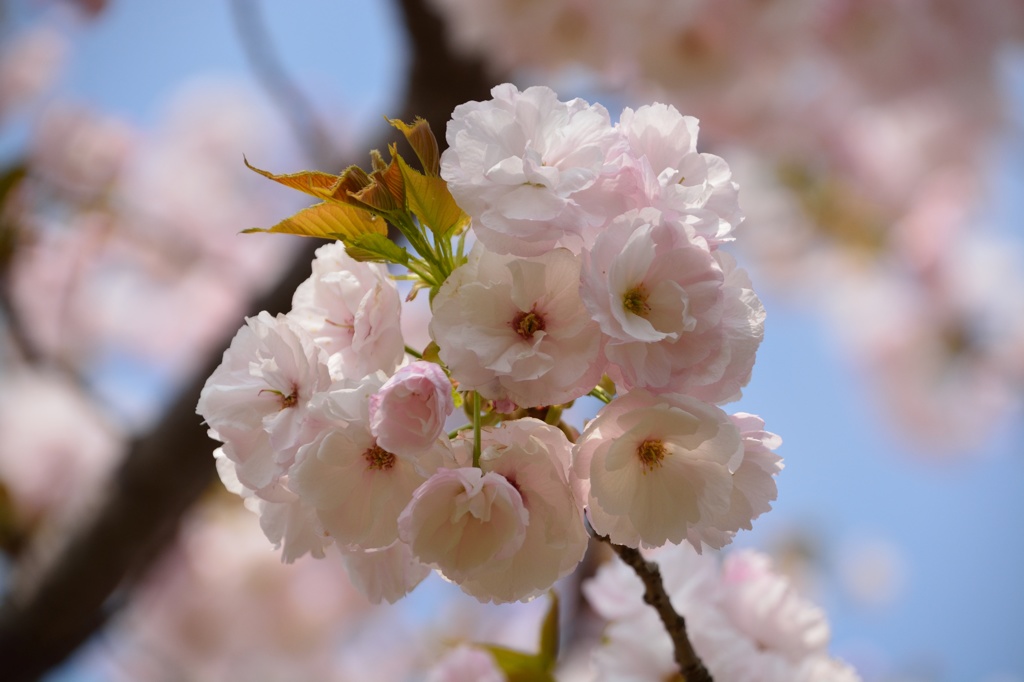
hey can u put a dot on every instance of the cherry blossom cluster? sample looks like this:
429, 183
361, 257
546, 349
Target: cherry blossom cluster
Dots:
593, 268
747, 622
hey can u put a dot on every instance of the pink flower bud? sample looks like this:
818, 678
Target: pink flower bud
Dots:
408, 413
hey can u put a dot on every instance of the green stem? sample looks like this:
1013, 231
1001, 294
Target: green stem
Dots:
600, 394
415, 353
456, 432
421, 270
476, 429
406, 225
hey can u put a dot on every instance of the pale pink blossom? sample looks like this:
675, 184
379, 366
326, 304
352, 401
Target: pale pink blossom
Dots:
56, 447
535, 458
220, 605
685, 181
408, 413
678, 317
516, 329
765, 606
517, 162
386, 574
745, 621
293, 527
357, 487
460, 520
352, 310
28, 65
466, 664
260, 395
286, 520
657, 468
753, 488
80, 151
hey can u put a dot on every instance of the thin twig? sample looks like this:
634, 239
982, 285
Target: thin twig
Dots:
690, 665
297, 109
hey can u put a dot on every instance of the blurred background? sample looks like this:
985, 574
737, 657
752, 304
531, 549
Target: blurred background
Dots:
879, 148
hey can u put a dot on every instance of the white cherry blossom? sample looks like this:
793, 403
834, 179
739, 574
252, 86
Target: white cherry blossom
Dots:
656, 468
534, 457
386, 574
516, 328
461, 519
258, 398
517, 163
352, 310
678, 316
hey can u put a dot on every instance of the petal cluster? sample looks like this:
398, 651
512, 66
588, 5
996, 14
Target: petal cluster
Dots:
593, 268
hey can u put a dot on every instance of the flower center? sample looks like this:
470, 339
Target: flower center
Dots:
378, 459
528, 324
651, 453
635, 301
290, 400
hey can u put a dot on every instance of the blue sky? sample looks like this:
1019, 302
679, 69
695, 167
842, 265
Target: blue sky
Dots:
960, 612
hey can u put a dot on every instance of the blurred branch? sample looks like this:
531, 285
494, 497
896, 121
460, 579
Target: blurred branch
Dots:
690, 665
18, 339
438, 78
266, 65
162, 475
166, 470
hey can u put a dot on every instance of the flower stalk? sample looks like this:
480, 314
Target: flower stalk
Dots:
691, 667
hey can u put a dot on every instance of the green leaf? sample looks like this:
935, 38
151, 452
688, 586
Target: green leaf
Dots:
517, 666
523, 667
421, 139
549, 633
377, 248
314, 183
329, 220
429, 199
386, 192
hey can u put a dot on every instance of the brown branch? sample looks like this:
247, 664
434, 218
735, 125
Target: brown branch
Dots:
690, 665
438, 78
162, 475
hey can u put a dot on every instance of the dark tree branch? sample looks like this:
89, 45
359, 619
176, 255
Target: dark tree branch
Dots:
163, 474
690, 665
438, 78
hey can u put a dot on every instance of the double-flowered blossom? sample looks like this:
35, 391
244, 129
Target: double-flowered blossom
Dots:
535, 459
358, 487
516, 329
463, 519
521, 164
675, 177
352, 310
257, 400
678, 316
663, 468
